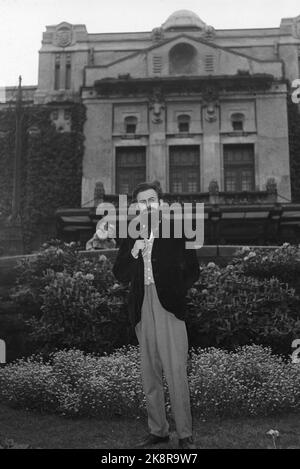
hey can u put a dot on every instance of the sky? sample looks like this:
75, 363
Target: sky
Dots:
22, 23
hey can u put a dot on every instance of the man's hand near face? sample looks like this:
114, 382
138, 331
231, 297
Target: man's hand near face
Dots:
139, 245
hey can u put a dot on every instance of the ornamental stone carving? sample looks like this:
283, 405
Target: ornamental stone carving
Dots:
213, 187
209, 33
296, 27
63, 35
157, 106
61, 118
271, 185
210, 100
157, 35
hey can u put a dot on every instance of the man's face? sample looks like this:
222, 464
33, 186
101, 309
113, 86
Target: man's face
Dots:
148, 200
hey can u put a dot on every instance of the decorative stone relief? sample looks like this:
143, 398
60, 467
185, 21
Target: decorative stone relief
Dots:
213, 187
61, 119
208, 33
210, 104
157, 106
99, 193
91, 59
296, 27
63, 35
276, 49
157, 35
271, 185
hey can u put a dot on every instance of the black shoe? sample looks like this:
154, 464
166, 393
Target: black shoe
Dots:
152, 440
186, 443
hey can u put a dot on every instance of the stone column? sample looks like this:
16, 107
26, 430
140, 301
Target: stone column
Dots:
211, 151
156, 169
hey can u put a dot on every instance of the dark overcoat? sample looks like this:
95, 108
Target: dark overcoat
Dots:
175, 269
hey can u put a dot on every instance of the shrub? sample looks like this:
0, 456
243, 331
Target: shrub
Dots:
75, 314
227, 308
70, 301
30, 283
282, 263
250, 381
58, 256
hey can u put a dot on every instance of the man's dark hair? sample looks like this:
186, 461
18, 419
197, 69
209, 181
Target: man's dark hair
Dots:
144, 186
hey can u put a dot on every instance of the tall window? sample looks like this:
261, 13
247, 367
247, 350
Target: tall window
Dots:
239, 167
130, 124
183, 122
184, 168
130, 168
68, 72
237, 121
57, 72
62, 71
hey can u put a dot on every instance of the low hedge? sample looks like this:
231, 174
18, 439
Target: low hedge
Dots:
250, 381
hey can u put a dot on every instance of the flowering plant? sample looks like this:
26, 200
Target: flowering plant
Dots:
250, 381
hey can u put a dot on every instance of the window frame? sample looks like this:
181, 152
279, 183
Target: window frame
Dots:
237, 118
130, 121
68, 74
237, 167
57, 72
183, 119
131, 170
184, 169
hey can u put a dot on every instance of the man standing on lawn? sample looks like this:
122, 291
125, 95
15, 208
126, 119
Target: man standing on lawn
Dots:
160, 271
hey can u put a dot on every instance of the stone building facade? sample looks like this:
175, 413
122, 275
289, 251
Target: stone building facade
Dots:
184, 103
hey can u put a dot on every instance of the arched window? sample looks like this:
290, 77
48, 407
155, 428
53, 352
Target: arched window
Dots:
130, 124
237, 121
183, 60
183, 122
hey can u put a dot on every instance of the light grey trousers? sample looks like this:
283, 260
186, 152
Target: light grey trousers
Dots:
164, 348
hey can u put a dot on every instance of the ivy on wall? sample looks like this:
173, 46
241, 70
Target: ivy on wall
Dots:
51, 166
294, 144
7, 142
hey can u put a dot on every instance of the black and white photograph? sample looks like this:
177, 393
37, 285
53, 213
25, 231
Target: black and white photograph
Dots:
149, 228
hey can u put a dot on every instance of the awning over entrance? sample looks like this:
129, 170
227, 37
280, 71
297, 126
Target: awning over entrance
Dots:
256, 224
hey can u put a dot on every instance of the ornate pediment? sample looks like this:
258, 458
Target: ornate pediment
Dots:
187, 55
63, 35
182, 57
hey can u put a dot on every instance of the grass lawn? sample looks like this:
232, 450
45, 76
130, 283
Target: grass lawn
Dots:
52, 431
